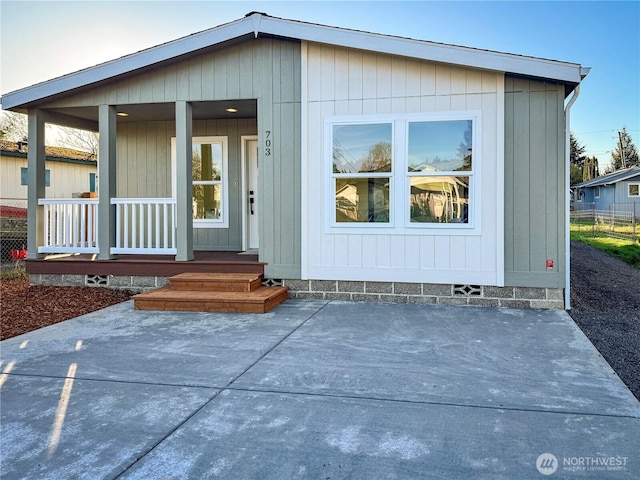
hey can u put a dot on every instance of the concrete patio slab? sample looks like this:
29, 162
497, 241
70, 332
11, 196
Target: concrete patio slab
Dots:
175, 348
315, 389
496, 357
255, 435
56, 428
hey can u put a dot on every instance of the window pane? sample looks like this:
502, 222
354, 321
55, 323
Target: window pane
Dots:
439, 199
634, 190
364, 200
206, 201
207, 161
440, 146
362, 148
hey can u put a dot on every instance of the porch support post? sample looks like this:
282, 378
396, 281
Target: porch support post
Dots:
106, 181
184, 185
35, 182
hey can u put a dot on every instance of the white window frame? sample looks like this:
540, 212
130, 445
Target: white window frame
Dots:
399, 187
596, 191
223, 221
369, 226
637, 184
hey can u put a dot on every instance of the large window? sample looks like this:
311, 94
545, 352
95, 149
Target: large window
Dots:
404, 172
209, 177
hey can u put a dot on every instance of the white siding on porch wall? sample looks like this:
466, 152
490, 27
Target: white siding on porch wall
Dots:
342, 81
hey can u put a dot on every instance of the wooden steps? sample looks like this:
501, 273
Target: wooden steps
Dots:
213, 292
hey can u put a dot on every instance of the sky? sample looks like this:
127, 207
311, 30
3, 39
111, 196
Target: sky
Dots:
43, 40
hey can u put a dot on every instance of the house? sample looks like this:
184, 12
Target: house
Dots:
618, 191
356, 165
68, 173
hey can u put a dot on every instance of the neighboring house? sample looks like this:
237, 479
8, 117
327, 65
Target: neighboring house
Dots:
357, 165
618, 191
68, 173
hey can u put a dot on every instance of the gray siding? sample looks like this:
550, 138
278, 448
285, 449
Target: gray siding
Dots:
534, 183
144, 170
265, 69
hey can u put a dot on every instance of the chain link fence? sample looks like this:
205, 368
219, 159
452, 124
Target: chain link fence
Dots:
13, 232
619, 220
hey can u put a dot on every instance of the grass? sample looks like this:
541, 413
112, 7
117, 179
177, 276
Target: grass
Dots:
625, 250
14, 272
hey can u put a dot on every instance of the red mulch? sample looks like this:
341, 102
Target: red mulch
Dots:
24, 308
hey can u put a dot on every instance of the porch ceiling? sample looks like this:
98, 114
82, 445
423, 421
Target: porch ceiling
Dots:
143, 112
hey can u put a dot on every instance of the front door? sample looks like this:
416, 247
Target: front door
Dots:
252, 239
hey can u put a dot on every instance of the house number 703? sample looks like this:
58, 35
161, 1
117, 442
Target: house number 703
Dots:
267, 143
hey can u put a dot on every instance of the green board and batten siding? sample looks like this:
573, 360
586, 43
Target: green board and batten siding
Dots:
264, 69
534, 183
144, 170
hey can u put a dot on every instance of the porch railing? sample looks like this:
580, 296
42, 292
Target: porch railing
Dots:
70, 225
145, 225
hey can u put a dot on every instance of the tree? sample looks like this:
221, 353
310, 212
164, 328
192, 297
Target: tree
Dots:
13, 127
590, 169
82, 140
625, 154
576, 151
575, 174
378, 158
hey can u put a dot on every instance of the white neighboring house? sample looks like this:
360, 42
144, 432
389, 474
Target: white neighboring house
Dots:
69, 172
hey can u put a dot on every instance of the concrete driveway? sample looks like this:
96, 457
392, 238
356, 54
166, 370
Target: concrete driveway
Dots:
314, 389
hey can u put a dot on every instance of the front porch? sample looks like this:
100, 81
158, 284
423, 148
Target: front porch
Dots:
136, 272
145, 265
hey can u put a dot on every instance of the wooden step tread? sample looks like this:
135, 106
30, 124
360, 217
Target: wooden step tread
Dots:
215, 277
218, 282
167, 293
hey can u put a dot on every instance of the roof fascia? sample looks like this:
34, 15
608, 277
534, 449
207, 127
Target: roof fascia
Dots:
425, 50
610, 179
129, 63
49, 158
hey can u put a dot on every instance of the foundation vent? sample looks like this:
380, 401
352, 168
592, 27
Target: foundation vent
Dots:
467, 290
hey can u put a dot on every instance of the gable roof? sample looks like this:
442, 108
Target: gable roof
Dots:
260, 24
611, 178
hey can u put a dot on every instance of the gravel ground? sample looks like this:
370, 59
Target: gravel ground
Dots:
605, 298
605, 303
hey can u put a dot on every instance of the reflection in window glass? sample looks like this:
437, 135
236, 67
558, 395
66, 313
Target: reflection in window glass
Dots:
206, 202
362, 200
444, 146
363, 148
207, 161
207, 181
439, 199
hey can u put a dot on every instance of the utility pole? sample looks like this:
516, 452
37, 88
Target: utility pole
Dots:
624, 164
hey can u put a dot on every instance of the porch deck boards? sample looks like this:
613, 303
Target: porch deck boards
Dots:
147, 265
194, 292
